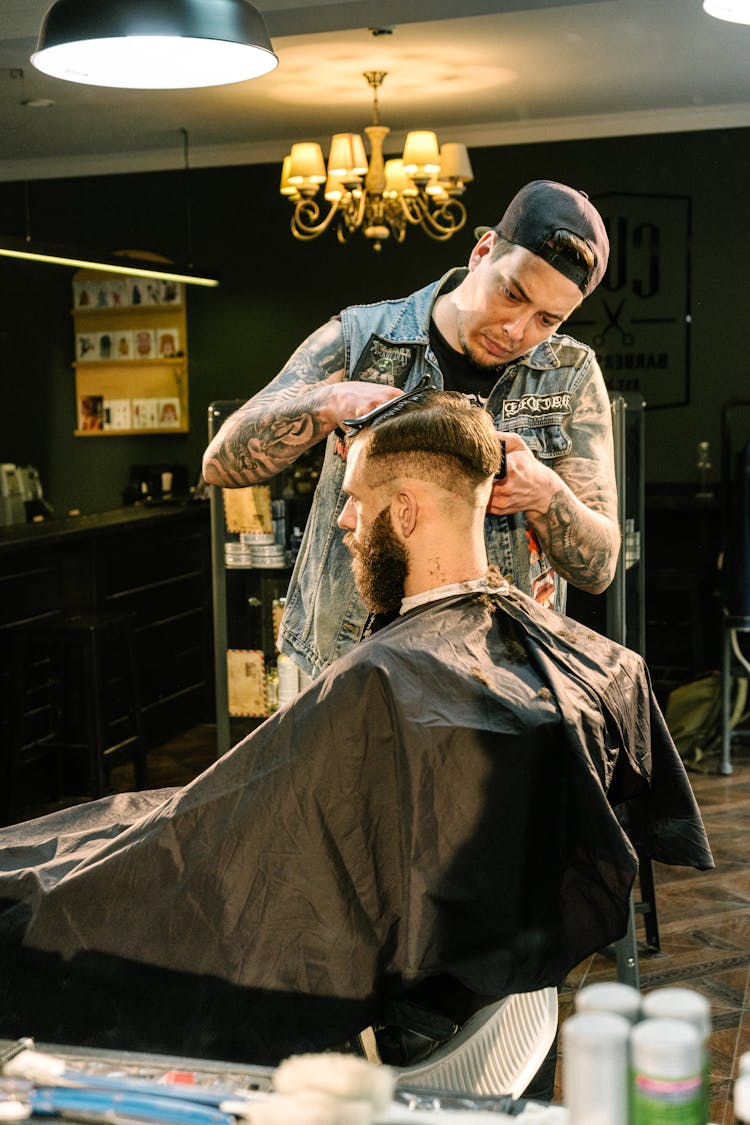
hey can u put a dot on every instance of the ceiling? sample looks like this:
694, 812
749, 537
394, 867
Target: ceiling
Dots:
501, 72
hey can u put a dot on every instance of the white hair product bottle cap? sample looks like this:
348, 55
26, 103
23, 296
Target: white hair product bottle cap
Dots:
679, 1004
742, 1098
743, 1067
595, 1068
667, 1068
610, 996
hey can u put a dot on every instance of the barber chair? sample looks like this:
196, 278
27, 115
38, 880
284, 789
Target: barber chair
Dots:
497, 1051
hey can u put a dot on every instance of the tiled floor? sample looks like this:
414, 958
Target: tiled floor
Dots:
704, 917
704, 924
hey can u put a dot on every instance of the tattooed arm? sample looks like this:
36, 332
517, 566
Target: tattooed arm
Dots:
573, 507
301, 406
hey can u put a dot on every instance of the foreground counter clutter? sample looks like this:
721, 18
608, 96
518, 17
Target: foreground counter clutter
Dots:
328, 1089
317, 1089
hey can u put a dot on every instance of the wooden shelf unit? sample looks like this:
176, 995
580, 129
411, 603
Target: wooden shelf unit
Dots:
155, 385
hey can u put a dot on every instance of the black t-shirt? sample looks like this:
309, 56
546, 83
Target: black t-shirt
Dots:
459, 373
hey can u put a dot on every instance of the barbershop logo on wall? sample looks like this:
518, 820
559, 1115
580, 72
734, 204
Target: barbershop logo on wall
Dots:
638, 320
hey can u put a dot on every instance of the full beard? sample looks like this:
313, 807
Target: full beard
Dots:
380, 563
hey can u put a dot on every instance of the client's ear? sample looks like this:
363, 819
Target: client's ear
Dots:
404, 509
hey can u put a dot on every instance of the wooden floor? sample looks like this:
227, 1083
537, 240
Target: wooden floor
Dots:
704, 924
704, 917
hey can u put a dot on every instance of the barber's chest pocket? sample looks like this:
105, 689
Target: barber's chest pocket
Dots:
538, 418
545, 437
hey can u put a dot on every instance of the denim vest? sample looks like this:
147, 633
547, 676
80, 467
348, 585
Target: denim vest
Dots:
388, 342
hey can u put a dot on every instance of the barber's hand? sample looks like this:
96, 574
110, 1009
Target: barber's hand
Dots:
528, 484
352, 399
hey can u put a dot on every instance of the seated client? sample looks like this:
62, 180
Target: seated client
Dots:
458, 801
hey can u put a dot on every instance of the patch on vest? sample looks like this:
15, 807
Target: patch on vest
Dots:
537, 405
385, 362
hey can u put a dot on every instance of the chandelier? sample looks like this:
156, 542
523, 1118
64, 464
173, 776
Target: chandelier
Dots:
382, 198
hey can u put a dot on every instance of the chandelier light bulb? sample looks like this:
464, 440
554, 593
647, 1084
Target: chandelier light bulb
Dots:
347, 156
455, 163
334, 190
421, 154
396, 179
285, 187
306, 164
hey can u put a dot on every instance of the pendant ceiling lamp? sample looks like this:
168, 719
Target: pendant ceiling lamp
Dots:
154, 45
736, 11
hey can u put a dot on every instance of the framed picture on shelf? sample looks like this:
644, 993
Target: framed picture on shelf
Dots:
135, 290
91, 413
167, 342
122, 345
104, 349
119, 293
84, 295
145, 413
87, 346
168, 412
171, 293
144, 340
117, 414
152, 291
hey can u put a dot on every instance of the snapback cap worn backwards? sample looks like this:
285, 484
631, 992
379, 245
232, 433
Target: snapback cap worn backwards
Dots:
543, 207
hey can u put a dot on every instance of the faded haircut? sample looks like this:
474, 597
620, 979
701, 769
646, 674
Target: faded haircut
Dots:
440, 436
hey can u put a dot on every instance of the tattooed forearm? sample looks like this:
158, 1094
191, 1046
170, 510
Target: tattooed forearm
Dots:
259, 443
270, 431
579, 531
582, 545
592, 482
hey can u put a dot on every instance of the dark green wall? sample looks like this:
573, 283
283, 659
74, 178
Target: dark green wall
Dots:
275, 290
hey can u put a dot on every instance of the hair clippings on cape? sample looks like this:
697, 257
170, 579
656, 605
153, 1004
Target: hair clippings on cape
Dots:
386, 409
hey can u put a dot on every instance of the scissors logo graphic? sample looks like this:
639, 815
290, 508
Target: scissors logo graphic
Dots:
613, 321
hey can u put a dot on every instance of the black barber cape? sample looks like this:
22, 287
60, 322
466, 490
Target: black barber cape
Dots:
446, 799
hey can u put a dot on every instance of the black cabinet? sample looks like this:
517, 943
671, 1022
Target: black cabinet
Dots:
151, 564
683, 540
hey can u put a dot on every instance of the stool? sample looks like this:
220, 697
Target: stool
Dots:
75, 701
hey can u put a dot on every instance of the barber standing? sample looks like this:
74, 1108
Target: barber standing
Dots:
490, 330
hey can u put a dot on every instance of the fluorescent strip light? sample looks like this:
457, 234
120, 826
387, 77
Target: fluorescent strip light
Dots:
130, 267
